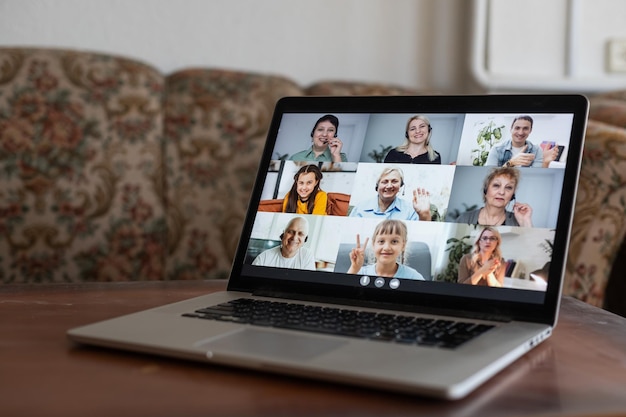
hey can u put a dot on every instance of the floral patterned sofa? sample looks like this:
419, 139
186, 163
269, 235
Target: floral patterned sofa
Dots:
111, 170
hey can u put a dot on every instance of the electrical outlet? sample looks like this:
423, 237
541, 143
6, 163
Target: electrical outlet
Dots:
616, 55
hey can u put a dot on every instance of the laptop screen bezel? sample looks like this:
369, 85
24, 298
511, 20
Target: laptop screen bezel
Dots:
545, 312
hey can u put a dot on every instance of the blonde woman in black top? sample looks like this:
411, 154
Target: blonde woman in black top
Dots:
417, 148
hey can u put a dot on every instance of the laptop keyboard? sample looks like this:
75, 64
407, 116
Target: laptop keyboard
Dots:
337, 321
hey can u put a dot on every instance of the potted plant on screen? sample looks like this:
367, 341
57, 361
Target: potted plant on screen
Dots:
488, 135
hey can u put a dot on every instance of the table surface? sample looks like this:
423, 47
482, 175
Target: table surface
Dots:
580, 370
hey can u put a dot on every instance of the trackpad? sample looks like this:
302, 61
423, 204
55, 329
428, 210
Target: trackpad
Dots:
270, 344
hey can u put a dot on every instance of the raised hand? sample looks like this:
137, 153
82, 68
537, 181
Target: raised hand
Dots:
523, 214
335, 145
421, 203
357, 255
550, 155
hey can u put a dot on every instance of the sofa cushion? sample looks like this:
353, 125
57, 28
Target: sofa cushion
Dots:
80, 158
215, 127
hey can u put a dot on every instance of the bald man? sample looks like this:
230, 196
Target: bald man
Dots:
290, 253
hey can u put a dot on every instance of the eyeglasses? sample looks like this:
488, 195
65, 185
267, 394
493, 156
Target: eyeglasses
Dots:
489, 239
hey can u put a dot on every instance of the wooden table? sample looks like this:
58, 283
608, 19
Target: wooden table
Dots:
580, 370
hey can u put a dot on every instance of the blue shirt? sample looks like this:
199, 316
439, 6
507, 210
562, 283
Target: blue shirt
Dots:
403, 272
503, 152
399, 209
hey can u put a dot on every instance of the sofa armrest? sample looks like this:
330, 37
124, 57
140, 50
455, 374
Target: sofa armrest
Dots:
599, 222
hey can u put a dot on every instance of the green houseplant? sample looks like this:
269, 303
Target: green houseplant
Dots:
456, 249
379, 156
488, 135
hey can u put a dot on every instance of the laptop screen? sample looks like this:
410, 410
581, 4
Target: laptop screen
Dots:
427, 200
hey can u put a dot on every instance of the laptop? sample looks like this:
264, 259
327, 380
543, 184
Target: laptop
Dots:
424, 270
